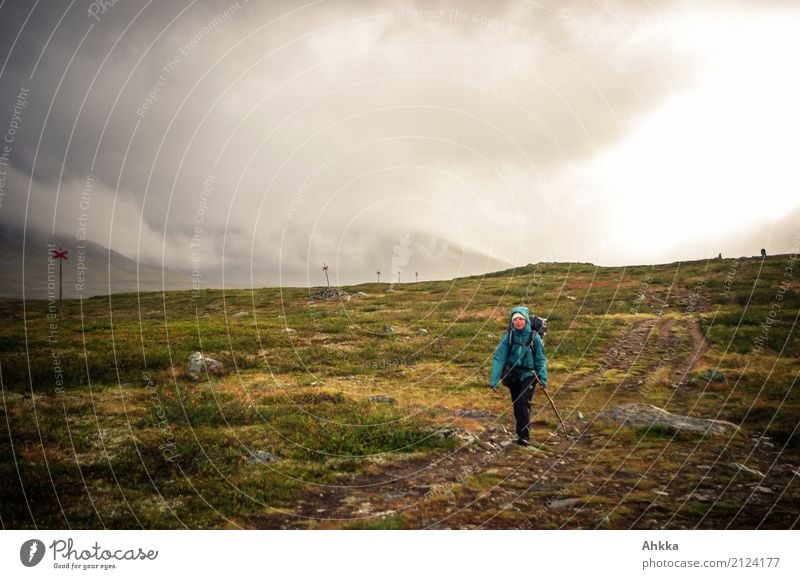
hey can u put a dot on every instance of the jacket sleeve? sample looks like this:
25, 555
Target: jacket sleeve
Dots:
499, 361
540, 361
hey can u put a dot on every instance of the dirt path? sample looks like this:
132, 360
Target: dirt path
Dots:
493, 483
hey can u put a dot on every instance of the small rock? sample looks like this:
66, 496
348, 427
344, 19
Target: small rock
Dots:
262, 457
742, 469
700, 497
580, 415
422, 332
473, 413
288, 330
459, 433
563, 503
387, 329
360, 295
764, 490
383, 399
199, 363
241, 314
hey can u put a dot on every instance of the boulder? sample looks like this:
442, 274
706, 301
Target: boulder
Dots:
647, 415
199, 364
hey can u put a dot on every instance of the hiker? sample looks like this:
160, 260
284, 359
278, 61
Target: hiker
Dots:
520, 365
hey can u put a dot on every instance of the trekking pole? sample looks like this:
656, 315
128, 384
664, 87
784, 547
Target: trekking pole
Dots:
563, 426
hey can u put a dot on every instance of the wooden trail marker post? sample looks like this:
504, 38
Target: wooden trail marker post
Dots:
60, 254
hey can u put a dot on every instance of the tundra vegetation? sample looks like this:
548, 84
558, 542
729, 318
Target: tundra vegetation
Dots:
325, 420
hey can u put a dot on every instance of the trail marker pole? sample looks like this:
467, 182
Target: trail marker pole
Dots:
563, 426
60, 254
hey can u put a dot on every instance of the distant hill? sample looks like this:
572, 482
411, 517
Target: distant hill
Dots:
103, 271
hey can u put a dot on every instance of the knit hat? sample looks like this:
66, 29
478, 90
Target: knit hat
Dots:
517, 315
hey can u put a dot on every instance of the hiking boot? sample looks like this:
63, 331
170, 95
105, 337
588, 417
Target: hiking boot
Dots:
522, 442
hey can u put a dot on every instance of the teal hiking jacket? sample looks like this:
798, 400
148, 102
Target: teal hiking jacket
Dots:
528, 360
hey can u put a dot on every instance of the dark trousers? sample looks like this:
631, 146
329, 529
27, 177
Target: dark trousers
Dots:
521, 396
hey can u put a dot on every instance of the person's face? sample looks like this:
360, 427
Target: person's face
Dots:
519, 323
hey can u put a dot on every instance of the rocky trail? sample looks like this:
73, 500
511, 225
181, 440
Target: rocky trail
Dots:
598, 477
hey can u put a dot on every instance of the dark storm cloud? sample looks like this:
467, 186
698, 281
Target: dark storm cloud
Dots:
287, 133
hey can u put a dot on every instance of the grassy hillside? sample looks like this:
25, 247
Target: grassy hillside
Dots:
327, 420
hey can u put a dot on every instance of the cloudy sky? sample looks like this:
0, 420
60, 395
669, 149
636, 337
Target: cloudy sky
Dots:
453, 137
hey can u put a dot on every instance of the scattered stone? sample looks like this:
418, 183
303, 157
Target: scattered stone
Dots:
288, 330
330, 293
700, 497
199, 364
762, 441
742, 469
563, 503
646, 415
360, 295
455, 433
262, 457
387, 329
241, 314
383, 399
473, 413
422, 332
764, 490
544, 487
580, 415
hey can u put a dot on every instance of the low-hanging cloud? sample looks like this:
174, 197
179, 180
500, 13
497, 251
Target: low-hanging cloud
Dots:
271, 138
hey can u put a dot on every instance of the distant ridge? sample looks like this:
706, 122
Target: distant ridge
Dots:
93, 278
